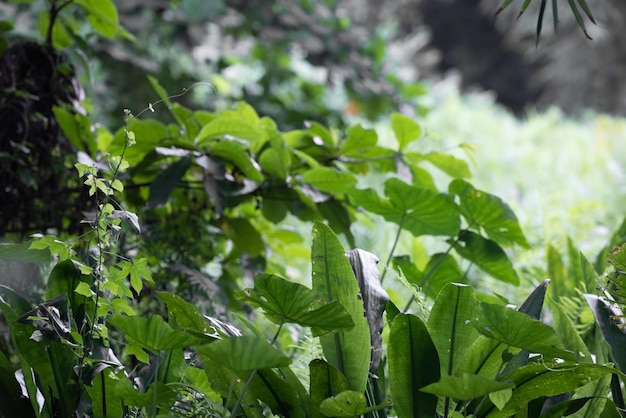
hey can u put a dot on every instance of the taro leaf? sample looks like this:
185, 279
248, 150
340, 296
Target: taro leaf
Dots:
329, 180
152, 333
365, 267
284, 301
534, 381
418, 210
163, 184
326, 381
519, 330
605, 315
236, 153
345, 404
244, 353
405, 129
465, 387
488, 212
333, 278
413, 364
448, 324
487, 255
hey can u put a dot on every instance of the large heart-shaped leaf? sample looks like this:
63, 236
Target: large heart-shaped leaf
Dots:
152, 333
489, 212
285, 301
465, 387
418, 210
244, 353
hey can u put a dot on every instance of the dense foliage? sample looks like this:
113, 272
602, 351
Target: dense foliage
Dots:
185, 288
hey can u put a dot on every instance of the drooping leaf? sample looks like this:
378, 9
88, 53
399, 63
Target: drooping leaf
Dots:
244, 353
161, 187
605, 314
405, 129
186, 316
487, 255
284, 301
417, 210
465, 387
448, 324
579, 18
489, 213
413, 364
519, 330
333, 278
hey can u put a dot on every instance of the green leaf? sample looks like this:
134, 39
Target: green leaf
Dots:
276, 159
489, 212
418, 210
345, 404
152, 333
612, 331
448, 324
487, 255
242, 123
465, 387
519, 330
566, 329
149, 134
284, 301
326, 179
244, 353
104, 400
102, 15
413, 364
333, 278
22, 253
281, 391
405, 129
359, 142
162, 186
447, 163
536, 380
236, 153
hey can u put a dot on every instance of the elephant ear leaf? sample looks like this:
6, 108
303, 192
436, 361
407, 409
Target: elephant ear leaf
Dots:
364, 265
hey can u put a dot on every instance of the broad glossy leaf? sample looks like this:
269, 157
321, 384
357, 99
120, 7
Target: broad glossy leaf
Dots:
152, 333
165, 182
326, 179
345, 404
284, 301
244, 353
488, 212
487, 255
405, 129
418, 210
440, 270
465, 387
605, 314
413, 364
236, 153
22, 253
448, 324
333, 278
519, 330
326, 381
536, 380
